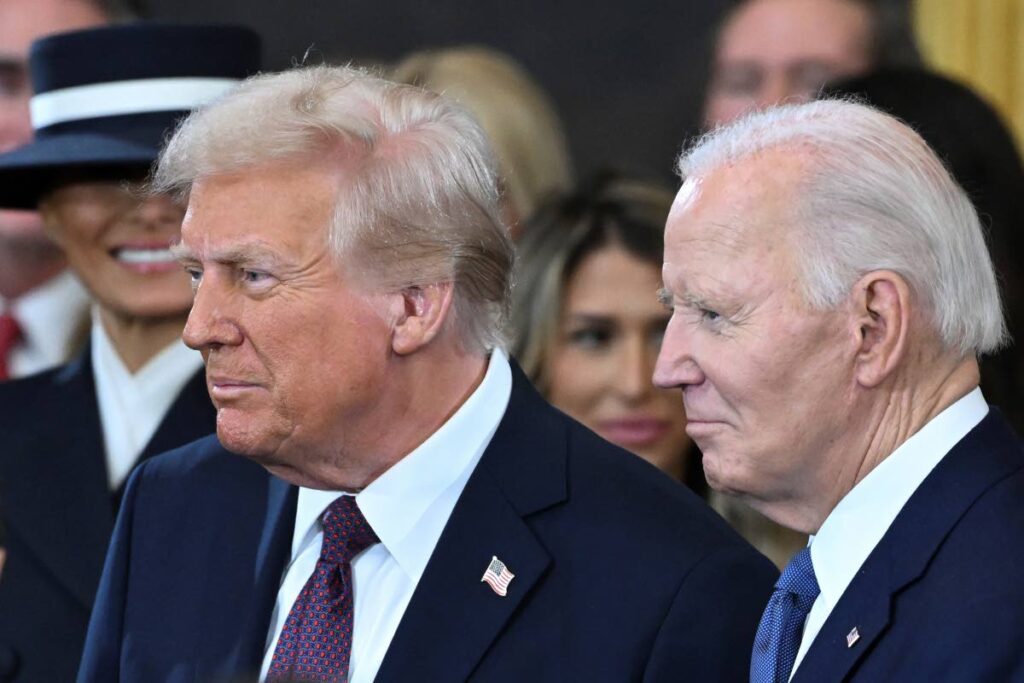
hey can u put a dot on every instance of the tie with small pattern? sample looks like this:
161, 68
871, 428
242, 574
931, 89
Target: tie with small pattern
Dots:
316, 640
10, 335
782, 625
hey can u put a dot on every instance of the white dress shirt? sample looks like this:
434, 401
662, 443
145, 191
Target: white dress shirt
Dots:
407, 507
133, 405
858, 522
49, 316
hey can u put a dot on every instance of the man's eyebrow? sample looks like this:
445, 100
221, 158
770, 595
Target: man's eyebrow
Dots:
182, 253
238, 255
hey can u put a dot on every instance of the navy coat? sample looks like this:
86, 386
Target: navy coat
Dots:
59, 511
941, 598
621, 574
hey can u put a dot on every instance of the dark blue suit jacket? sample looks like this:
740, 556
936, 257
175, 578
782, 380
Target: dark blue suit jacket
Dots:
620, 573
59, 511
941, 598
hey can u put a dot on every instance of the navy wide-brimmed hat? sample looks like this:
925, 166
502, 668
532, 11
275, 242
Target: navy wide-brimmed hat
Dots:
106, 99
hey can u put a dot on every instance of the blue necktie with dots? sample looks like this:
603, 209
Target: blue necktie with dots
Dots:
782, 625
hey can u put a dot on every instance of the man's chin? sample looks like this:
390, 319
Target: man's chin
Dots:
245, 443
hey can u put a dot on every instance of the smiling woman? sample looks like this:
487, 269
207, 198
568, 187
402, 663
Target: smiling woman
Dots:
106, 98
588, 323
118, 243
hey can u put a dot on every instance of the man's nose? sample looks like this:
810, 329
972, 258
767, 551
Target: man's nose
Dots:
211, 323
775, 89
676, 365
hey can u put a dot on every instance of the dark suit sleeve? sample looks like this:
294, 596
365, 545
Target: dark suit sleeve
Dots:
708, 632
102, 656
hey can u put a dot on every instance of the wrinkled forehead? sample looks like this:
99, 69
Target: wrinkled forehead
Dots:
279, 203
745, 206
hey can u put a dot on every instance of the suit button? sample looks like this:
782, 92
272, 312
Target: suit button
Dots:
9, 663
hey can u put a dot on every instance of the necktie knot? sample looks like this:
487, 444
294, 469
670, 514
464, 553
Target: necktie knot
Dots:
798, 577
346, 531
781, 629
316, 640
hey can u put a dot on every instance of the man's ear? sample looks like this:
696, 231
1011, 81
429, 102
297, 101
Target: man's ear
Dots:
882, 315
424, 311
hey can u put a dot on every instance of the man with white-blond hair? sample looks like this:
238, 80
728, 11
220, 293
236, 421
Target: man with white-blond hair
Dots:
831, 291
387, 498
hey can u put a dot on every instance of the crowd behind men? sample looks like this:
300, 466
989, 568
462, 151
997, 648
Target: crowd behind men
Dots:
386, 496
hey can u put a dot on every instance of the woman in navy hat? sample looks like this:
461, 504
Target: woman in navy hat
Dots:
105, 101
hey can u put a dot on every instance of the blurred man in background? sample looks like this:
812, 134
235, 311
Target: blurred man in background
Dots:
41, 305
771, 51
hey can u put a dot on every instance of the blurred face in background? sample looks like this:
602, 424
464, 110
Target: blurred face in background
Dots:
781, 51
610, 330
22, 22
118, 242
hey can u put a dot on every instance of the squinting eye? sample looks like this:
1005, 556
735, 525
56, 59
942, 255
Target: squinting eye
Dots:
194, 276
709, 315
254, 276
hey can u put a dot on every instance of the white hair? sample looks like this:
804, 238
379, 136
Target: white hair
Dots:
422, 206
874, 196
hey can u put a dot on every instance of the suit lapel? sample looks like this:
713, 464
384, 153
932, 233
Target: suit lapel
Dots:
253, 539
63, 509
453, 616
986, 455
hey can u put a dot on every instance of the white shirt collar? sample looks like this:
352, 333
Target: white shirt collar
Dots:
858, 522
409, 505
49, 316
132, 405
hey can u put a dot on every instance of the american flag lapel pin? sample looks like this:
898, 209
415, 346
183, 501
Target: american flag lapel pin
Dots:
852, 637
497, 576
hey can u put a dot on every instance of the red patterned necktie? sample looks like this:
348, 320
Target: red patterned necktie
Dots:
10, 335
316, 640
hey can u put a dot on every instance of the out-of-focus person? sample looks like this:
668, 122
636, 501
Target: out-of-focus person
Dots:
980, 152
587, 321
387, 497
105, 100
831, 291
43, 308
519, 118
767, 52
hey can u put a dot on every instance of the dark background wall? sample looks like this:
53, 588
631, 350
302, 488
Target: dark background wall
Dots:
626, 75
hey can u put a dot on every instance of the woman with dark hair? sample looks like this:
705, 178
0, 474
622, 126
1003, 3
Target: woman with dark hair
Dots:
588, 324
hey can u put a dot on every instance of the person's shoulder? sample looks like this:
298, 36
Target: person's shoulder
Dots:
972, 509
624, 496
29, 406
16, 392
201, 458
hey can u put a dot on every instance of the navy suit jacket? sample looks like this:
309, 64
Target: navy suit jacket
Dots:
621, 574
59, 511
941, 598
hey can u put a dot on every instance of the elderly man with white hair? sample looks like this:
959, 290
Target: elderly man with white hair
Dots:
403, 505
831, 291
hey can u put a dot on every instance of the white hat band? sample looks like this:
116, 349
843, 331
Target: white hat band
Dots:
125, 97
